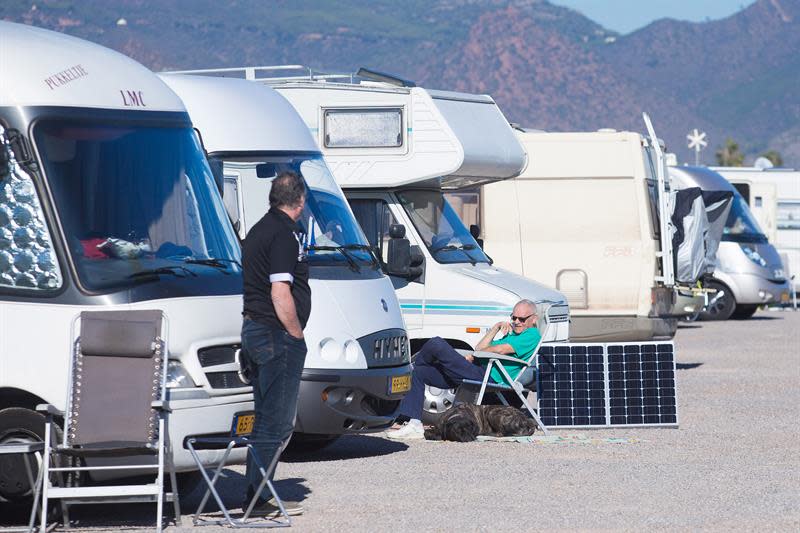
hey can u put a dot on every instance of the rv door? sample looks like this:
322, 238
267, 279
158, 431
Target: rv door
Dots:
764, 205
667, 276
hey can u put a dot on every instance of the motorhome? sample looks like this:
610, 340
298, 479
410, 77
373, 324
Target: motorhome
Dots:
106, 203
588, 215
357, 367
750, 272
773, 195
394, 148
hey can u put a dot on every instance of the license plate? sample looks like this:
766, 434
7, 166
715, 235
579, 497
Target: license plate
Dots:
243, 424
398, 384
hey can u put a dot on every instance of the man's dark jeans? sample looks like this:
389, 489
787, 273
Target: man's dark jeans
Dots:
277, 359
439, 365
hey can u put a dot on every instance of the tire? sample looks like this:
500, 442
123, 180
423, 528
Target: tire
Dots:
743, 312
309, 442
19, 425
723, 307
440, 401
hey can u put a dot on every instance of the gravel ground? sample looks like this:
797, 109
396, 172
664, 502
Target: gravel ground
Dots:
734, 464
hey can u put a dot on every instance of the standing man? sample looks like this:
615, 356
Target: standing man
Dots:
277, 303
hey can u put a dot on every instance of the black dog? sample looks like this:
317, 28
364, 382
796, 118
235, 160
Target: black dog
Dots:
464, 422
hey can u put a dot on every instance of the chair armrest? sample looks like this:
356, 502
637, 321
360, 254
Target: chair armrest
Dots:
501, 357
161, 405
49, 409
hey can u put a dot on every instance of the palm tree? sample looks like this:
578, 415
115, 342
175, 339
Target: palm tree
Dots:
774, 156
730, 155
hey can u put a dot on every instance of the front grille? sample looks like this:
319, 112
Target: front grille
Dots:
386, 348
225, 380
558, 313
217, 355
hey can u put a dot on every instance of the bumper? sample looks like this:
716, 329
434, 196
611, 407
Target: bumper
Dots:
334, 402
204, 416
621, 328
750, 289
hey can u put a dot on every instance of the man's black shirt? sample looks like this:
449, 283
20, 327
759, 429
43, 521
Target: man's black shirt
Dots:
273, 252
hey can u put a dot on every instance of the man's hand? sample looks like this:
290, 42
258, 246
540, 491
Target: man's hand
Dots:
285, 309
504, 328
469, 357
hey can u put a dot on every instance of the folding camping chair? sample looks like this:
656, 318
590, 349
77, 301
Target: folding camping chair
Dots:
115, 410
238, 438
516, 385
26, 450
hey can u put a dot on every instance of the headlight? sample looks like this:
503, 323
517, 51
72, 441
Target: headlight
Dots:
353, 351
330, 350
754, 256
178, 377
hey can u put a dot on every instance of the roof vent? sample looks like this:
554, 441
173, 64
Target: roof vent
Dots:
374, 75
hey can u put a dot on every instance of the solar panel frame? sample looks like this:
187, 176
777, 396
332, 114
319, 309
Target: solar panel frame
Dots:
625, 392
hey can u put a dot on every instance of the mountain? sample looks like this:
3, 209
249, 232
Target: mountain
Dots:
548, 67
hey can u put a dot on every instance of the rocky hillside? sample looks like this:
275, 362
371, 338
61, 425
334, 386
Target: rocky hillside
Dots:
549, 67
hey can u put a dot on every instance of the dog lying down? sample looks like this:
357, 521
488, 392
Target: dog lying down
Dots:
465, 421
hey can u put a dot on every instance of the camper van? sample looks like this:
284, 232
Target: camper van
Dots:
750, 272
773, 195
106, 203
394, 148
588, 215
357, 367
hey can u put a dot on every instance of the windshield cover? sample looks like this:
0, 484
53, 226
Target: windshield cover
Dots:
136, 204
446, 237
741, 225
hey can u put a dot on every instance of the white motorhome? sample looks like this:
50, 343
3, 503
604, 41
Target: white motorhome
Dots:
586, 216
773, 195
357, 367
750, 272
106, 203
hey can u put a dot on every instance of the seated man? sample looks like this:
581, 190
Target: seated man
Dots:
439, 365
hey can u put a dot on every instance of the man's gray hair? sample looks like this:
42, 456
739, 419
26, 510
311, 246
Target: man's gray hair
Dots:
528, 303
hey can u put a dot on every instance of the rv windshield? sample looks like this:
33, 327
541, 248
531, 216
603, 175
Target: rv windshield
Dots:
439, 226
333, 238
136, 204
741, 225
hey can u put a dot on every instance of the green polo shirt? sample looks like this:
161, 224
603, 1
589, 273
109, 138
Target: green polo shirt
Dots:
524, 344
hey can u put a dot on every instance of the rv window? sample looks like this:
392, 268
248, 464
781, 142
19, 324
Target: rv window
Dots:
363, 128
789, 214
230, 197
27, 258
375, 218
744, 190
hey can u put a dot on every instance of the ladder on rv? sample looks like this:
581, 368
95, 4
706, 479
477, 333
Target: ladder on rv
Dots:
665, 255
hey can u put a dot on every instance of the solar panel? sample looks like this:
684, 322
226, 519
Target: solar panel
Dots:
613, 384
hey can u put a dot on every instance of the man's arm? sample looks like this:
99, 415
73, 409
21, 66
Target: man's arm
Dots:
485, 343
285, 310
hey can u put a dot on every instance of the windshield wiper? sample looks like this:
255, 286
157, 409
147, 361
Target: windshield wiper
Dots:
341, 249
177, 271
216, 262
461, 248
367, 248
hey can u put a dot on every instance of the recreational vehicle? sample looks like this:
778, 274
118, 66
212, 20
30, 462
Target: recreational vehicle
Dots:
588, 215
394, 148
357, 367
750, 272
106, 203
773, 193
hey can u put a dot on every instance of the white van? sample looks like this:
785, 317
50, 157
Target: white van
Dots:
773, 195
106, 203
584, 216
357, 367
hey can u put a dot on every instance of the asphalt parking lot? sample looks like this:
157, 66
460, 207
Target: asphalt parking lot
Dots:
734, 463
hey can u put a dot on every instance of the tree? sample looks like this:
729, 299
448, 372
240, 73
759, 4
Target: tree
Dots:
730, 155
774, 156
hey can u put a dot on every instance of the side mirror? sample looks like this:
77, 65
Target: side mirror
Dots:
400, 254
219, 176
475, 231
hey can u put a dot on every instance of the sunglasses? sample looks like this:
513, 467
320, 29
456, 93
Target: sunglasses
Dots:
521, 318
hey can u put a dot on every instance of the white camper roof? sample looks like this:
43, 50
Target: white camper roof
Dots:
45, 68
239, 116
595, 154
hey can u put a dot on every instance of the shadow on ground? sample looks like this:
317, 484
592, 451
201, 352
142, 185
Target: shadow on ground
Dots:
347, 447
687, 366
689, 326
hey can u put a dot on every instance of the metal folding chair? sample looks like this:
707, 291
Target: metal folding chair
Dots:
211, 475
26, 450
115, 410
515, 385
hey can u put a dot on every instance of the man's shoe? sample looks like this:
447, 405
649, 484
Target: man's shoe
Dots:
270, 509
411, 430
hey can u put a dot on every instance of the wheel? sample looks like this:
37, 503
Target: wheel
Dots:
18, 425
743, 312
721, 304
309, 442
438, 401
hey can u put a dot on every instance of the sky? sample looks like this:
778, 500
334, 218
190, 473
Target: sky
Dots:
625, 16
